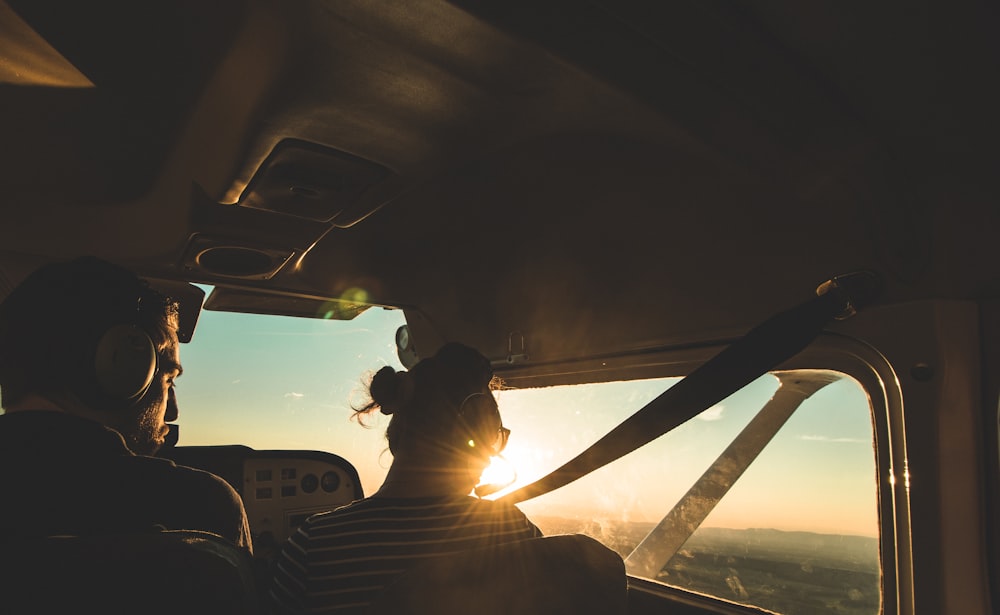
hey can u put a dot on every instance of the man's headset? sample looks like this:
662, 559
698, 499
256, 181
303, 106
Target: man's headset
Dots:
77, 326
116, 358
125, 363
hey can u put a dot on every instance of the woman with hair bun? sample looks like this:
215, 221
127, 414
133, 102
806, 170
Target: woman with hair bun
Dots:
444, 429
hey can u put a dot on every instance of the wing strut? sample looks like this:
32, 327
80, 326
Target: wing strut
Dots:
764, 347
656, 549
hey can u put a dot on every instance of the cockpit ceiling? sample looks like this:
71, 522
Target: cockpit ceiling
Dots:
593, 176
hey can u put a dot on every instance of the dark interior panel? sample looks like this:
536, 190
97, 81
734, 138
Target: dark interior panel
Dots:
280, 489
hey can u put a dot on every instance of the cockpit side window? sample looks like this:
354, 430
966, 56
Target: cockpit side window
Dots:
769, 498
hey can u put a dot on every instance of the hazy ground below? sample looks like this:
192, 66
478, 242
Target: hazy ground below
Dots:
798, 573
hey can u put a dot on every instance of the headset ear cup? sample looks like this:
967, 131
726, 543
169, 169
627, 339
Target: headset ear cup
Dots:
125, 362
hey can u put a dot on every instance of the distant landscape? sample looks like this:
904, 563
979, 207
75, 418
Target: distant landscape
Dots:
797, 573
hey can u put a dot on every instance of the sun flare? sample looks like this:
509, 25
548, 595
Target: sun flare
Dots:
517, 466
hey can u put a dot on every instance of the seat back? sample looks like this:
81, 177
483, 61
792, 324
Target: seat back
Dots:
554, 575
158, 573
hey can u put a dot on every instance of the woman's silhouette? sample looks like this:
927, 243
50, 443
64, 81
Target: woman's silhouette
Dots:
445, 427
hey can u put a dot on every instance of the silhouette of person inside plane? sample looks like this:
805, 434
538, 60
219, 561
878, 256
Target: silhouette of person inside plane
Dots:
88, 360
445, 427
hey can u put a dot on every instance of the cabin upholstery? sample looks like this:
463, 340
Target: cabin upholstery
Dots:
155, 573
554, 575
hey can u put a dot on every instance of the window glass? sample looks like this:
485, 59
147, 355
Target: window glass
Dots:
796, 533
271, 382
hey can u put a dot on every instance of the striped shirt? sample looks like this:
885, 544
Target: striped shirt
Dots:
338, 561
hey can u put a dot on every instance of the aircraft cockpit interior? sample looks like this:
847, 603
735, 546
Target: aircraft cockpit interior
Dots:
728, 273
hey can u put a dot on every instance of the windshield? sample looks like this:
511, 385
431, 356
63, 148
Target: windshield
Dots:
272, 382
802, 515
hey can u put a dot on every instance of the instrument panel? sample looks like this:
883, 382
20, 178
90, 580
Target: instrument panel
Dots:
280, 489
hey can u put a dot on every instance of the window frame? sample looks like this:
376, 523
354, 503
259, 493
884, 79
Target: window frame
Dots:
830, 351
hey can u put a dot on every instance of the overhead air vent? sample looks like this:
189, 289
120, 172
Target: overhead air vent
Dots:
319, 183
228, 259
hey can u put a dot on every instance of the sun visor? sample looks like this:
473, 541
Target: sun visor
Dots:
250, 301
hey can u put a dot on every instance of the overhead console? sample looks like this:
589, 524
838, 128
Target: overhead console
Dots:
280, 489
300, 191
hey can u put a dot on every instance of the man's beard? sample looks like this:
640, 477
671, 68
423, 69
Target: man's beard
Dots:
143, 433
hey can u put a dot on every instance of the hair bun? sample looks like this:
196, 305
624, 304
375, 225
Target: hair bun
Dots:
391, 390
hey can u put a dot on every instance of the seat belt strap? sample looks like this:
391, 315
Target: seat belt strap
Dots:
763, 348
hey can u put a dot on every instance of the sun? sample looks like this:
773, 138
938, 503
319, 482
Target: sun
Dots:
518, 466
500, 472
